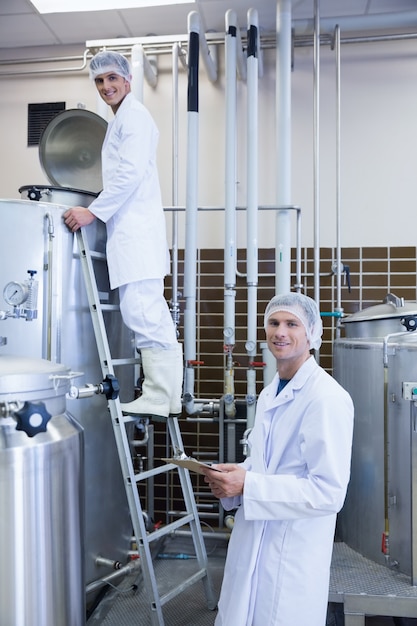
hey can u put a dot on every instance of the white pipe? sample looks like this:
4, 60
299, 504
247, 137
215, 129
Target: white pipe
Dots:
230, 255
252, 210
283, 146
136, 59
175, 309
260, 55
150, 66
142, 68
301, 27
190, 258
316, 147
230, 155
357, 23
208, 53
241, 59
339, 265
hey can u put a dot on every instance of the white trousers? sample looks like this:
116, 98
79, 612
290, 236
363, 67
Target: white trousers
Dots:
145, 311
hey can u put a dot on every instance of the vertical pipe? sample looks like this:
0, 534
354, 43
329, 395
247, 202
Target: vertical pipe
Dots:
174, 247
137, 63
413, 495
316, 148
252, 209
339, 265
283, 143
230, 209
191, 207
283, 156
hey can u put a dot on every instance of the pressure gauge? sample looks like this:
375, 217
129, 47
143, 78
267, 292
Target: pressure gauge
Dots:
15, 293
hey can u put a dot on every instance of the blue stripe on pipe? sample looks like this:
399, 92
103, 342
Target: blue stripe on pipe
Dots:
232, 31
193, 50
252, 41
331, 314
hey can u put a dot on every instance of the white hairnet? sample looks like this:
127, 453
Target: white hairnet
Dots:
107, 61
302, 307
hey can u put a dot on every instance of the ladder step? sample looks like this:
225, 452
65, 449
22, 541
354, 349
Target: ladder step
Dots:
109, 307
183, 586
169, 528
98, 256
162, 469
128, 361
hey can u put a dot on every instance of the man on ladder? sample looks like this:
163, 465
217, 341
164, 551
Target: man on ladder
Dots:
137, 252
137, 256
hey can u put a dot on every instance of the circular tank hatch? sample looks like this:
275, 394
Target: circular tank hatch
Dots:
70, 150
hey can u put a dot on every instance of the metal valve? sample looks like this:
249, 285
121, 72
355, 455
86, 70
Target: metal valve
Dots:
32, 418
110, 387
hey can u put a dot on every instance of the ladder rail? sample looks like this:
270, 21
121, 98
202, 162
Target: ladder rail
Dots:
120, 433
119, 421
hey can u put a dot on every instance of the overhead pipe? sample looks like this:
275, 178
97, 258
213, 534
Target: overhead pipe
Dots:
190, 255
356, 23
230, 255
252, 212
163, 44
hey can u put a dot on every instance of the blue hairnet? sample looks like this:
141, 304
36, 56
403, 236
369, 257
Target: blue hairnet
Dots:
108, 61
302, 307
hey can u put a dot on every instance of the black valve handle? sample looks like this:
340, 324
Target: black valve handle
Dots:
32, 418
34, 194
111, 387
410, 322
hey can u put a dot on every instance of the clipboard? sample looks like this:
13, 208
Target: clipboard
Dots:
191, 464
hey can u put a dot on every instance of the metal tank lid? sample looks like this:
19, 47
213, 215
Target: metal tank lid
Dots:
70, 150
392, 306
22, 374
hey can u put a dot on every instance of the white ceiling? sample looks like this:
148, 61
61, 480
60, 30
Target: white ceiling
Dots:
21, 26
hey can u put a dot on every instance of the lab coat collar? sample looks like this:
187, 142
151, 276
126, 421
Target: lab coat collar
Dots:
296, 382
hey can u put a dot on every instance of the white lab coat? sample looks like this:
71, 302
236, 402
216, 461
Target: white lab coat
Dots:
130, 203
278, 562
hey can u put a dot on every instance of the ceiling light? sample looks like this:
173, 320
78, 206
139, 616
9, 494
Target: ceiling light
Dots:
73, 6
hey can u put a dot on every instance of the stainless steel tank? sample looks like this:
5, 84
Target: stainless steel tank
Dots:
34, 240
41, 497
377, 363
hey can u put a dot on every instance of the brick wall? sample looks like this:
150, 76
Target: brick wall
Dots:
374, 272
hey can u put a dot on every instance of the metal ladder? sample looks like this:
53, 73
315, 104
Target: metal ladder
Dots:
144, 538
